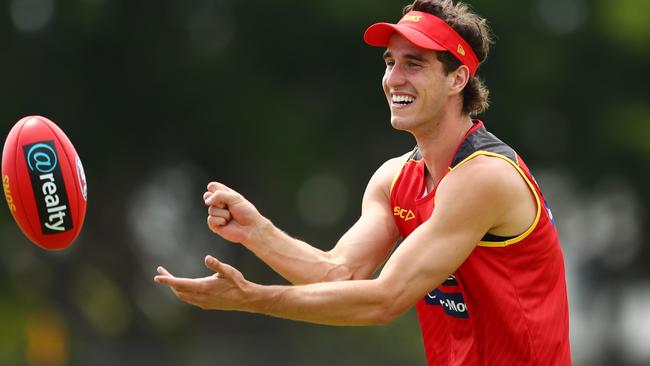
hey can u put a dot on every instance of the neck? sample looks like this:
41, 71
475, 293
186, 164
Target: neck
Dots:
438, 144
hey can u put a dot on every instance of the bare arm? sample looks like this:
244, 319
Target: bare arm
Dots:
464, 212
356, 255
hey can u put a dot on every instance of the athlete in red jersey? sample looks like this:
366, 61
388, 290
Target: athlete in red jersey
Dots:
483, 267
499, 303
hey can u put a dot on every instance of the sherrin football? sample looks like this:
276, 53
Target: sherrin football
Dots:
44, 182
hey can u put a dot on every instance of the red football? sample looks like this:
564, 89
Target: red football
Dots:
44, 182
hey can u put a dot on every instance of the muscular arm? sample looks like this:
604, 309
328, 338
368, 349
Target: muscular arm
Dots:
464, 212
356, 255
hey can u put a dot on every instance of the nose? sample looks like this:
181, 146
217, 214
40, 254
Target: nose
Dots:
394, 77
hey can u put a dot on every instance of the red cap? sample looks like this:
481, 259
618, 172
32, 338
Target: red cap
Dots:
427, 31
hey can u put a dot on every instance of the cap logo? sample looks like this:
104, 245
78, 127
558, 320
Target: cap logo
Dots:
412, 18
461, 50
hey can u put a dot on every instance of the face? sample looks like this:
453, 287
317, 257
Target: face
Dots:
415, 85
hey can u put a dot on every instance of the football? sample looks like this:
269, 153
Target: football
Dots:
44, 182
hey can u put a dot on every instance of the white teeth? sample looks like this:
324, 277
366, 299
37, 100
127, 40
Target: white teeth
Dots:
402, 99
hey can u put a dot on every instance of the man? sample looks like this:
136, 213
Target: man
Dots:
484, 267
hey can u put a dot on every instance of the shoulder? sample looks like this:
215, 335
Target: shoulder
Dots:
490, 171
393, 165
385, 174
382, 179
484, 182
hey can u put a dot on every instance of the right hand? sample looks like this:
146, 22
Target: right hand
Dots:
230, 215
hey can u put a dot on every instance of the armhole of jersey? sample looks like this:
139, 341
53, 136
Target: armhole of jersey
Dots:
399, 172
522, 236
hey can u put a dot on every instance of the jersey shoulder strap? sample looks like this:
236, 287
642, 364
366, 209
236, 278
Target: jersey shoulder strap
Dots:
482, 140
413, 156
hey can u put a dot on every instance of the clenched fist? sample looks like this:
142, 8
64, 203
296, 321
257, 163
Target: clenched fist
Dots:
230, 215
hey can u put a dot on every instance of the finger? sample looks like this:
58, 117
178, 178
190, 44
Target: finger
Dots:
214, 186
219, 212
163, 271
215, 222
207, 194
179, 284
222, 197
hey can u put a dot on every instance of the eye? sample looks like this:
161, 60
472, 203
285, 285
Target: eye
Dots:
389, 62
413, 65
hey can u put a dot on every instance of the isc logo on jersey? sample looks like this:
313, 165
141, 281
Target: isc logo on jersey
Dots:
48, 187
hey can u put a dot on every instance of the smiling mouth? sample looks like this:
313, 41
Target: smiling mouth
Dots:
402, 99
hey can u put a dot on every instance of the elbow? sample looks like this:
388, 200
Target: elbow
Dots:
384, 318
389, 306
340, 273
388, 314
338, 270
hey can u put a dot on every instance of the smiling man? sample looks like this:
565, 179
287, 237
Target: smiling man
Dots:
480, 260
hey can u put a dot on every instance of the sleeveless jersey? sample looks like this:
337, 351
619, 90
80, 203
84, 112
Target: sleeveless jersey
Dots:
507, 303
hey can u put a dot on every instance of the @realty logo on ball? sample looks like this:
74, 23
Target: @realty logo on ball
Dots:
48, 187
42, 157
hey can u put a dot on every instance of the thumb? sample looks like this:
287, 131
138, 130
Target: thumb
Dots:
218, 267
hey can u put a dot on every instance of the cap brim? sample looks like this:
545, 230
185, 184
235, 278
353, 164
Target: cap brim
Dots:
379, 35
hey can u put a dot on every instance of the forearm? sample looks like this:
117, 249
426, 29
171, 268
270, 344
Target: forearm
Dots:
293, 259
360, 302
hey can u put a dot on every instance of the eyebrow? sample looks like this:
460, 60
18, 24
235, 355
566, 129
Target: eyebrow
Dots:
408, 56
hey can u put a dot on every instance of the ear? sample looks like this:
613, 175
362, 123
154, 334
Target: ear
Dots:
458, 79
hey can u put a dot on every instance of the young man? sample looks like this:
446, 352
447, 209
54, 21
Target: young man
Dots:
484, 266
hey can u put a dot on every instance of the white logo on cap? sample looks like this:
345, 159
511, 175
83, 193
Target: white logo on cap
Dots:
412, 18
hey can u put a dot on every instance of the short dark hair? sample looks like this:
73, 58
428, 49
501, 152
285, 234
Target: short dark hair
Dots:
476, 32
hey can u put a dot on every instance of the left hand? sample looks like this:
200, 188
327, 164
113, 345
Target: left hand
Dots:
224, 290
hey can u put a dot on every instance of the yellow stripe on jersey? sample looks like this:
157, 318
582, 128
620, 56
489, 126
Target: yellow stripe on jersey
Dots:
406, 158
505, 243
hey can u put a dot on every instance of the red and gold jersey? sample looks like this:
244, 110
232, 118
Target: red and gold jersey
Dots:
507, 303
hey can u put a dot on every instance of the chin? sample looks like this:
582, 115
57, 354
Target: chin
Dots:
400, 124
